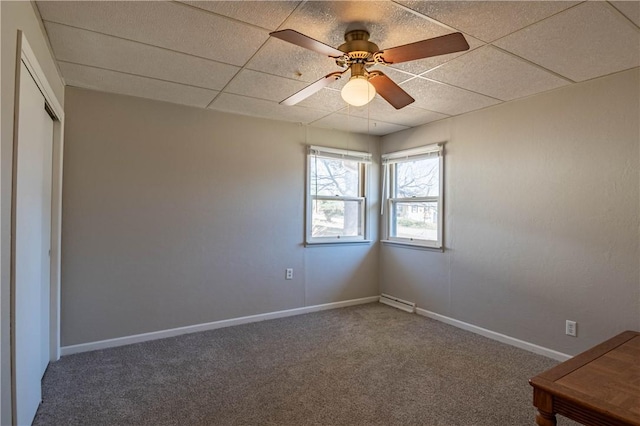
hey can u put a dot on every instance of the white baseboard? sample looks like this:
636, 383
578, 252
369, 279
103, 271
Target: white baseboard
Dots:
138, 338
495, 336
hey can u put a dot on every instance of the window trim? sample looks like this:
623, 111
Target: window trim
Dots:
388, 198
364, 160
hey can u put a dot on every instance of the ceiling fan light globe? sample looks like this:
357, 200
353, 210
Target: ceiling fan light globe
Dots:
358, 91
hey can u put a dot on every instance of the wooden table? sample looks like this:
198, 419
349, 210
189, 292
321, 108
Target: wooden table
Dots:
598, 387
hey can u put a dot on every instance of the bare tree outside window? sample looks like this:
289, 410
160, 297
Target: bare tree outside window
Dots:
418, 178
334, 177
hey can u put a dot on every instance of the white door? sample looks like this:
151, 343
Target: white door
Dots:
32, 244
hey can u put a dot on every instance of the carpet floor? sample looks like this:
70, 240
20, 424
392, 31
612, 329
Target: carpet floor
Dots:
362, 365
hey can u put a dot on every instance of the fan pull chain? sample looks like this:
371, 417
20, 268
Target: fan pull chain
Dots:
315, 160
349, 131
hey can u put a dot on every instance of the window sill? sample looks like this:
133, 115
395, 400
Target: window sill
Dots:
337, 243
414, 246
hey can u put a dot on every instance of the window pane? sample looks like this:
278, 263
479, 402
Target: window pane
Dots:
332, 218
420, 178
334, 177
415, 220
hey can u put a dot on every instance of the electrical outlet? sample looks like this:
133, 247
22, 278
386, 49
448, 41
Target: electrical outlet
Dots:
571, 328
289, 274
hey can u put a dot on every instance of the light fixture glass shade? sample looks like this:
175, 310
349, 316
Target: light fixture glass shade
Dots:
358, 91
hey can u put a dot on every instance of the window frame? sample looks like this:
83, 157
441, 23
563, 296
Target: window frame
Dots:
390, 200
364, 160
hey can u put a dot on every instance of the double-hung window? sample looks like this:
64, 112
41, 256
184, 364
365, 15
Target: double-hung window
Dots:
336, 195
412, 193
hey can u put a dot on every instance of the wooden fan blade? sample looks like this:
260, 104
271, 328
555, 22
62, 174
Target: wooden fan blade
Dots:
389, 90
425, 49
312, 88
302, 40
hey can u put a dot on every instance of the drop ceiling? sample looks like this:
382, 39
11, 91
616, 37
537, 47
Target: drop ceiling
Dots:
219, 55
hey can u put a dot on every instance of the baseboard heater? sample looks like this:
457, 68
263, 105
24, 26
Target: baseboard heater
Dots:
397, 303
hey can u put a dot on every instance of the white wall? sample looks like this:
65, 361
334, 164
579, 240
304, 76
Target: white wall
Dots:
14, 16
542, 217
175, 216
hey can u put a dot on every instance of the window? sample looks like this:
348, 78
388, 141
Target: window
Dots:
336, 196
412, 186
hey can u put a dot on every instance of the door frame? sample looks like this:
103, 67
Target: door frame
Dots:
26, 55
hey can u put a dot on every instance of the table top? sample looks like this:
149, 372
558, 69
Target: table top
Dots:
604, 379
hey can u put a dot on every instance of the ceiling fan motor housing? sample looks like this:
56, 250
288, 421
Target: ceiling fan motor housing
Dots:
358, 49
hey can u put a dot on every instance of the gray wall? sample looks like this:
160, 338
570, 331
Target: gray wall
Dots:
14, 16
541, 220
542, 213
175, 216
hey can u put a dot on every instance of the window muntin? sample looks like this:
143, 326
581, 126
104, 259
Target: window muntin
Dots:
413, 196
336, 199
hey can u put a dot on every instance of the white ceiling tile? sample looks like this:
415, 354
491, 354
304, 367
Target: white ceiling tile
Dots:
265, 14
445, 99
326, 100
287, 60
265, 109
327, 21
264, 86
354, 124
126, 84
102, 51
495, 73
170, 25
584, 42
381, 110
488, 20
631, 9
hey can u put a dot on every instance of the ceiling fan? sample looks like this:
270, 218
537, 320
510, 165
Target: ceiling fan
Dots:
358, 54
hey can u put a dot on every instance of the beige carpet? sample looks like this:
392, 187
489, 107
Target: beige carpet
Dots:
363, 365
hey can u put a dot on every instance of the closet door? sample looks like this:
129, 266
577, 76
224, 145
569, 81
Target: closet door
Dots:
31, 291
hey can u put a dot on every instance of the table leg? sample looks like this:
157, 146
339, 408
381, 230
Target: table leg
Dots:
545, 419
